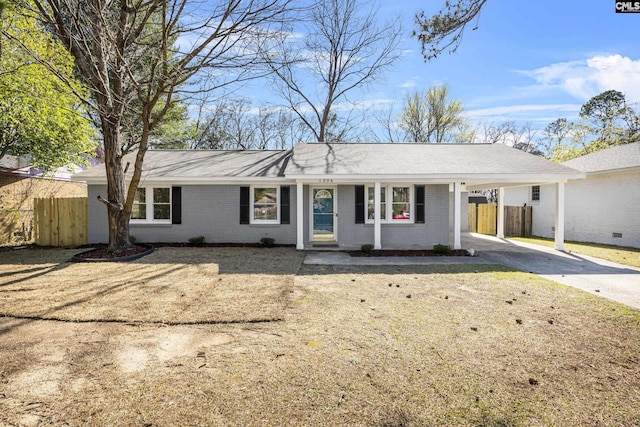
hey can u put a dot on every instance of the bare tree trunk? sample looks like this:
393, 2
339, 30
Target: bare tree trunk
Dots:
123, 51
118, 219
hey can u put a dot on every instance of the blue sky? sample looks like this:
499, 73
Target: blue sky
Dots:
527, 61
532, 62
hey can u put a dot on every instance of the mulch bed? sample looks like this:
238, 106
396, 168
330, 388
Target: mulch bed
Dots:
409, 253
102, 254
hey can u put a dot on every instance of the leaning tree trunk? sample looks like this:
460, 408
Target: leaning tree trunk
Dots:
117, 214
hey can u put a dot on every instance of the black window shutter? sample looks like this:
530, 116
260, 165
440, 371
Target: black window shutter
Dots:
176, 205
244, 205
419, 204
285, 205
359, 204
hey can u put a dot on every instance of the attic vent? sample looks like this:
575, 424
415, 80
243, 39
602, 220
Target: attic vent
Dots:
617, 235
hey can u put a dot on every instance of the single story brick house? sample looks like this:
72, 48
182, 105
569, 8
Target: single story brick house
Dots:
316, 194
603, 208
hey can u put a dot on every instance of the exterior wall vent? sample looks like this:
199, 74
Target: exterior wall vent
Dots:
617, 235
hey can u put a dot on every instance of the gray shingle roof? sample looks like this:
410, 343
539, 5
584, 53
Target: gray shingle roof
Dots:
202, 165
620, 157
486, 163
417, 159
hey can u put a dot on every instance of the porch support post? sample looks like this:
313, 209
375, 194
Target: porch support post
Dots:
500, 230
559, 233
377, 229
457, 195
299, 216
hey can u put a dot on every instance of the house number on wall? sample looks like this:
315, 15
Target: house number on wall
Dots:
325, 180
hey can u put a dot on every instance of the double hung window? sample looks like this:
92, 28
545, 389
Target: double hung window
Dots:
265, 205
535, 193
396, 204
152, 204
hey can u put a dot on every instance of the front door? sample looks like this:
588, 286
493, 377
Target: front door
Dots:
323, 214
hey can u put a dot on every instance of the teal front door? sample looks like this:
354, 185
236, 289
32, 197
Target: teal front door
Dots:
323, 214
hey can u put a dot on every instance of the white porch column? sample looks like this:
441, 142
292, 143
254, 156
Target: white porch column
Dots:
559, 233
500, 230
299, 216
457, 194
377, 229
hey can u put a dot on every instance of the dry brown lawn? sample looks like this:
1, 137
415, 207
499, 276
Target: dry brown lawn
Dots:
247, 337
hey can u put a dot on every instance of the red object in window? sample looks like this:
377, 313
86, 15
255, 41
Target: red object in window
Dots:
403, 215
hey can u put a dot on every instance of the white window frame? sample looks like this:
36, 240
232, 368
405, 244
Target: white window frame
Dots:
149, 207
388, 189
252, 219
383, 189
532, 192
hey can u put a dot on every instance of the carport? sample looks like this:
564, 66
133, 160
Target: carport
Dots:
504, 167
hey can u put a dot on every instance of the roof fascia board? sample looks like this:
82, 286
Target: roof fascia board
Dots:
494, 184
192, 181
620, 170
437, 177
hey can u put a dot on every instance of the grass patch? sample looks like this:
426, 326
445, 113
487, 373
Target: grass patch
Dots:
464, 345
621, 255
170, 286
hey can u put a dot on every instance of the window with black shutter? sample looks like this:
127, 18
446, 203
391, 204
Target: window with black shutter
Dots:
359, 196
176, 205
420, 204
244, 205
285, 205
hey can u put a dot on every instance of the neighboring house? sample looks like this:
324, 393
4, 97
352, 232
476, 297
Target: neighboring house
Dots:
20, 183
603, 208
315, 195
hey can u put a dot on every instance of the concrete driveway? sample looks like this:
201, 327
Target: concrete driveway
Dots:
604, 278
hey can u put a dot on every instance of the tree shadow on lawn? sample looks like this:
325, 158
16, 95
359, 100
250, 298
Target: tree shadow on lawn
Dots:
232, 260
173, 286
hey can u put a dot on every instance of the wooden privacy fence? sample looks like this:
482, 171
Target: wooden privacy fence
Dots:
517, 219
482, 218
60, 221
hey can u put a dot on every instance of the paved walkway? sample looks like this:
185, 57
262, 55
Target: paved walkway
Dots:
604, 278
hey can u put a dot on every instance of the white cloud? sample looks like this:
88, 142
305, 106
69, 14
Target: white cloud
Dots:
363, 105
521, 111
410, 83
586, 78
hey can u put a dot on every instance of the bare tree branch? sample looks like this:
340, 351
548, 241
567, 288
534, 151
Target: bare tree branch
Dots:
135, 54
343, 48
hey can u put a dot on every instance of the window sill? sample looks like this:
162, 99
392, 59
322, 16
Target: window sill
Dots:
150, 223
392, 223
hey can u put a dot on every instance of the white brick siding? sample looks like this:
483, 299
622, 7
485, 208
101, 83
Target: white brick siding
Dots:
595, 208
